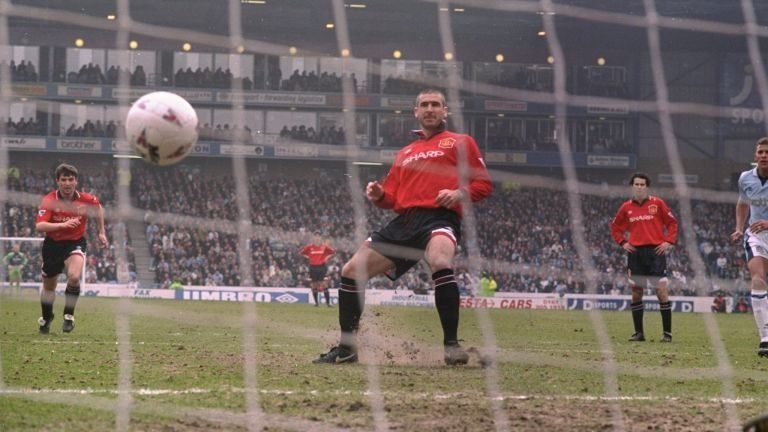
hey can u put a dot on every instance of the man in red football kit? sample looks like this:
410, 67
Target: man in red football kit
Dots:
62, 216
318, 253
646, 217
423, 187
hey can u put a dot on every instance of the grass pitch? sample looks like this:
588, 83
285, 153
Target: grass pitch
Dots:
188, 370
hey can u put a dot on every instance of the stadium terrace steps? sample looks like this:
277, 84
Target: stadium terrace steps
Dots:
142, 254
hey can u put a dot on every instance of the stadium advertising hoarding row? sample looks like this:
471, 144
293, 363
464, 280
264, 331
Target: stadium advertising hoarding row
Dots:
553, 159
289, 150
302, 151
23, 142
394, 298
297, 99
108, 145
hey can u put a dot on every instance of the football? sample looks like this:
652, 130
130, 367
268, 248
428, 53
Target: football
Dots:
161, 127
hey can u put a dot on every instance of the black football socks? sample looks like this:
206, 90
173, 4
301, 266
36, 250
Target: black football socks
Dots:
350, 310
637, 315
447, 303
71, 294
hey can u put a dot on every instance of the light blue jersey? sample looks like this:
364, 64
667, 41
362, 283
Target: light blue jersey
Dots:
753, 192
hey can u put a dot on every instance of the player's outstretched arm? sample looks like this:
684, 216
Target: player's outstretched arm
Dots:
103, 242
742, 211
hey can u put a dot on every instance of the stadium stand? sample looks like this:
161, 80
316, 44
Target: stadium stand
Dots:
539, 255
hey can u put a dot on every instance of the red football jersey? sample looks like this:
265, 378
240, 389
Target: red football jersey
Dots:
428, 165
56, 209
645, 222
317, 254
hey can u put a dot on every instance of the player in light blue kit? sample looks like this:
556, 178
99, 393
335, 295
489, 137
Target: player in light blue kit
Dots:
753, 201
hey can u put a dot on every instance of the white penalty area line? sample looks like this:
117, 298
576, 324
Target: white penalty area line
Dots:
89, 391
139, 343
76, 342
434, 396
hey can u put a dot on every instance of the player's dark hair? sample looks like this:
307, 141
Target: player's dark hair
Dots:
65, 170
762, 141
430, 91
640, 175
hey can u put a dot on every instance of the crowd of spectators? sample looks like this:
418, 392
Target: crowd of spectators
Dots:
525, 77
31, 126
581, 80
93, 74
235, 133
207, 78
388, 136
326, 134
89, 129
18, 220
323, 82
23, 72
543, 246
136, 78
524, 236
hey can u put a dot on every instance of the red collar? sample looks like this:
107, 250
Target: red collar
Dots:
75, 196
423, 136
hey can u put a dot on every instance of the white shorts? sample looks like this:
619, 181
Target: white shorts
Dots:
756, 244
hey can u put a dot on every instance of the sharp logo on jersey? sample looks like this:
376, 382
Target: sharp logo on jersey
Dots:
653, 209
422, 155
641, 218
446, 143
57, 218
